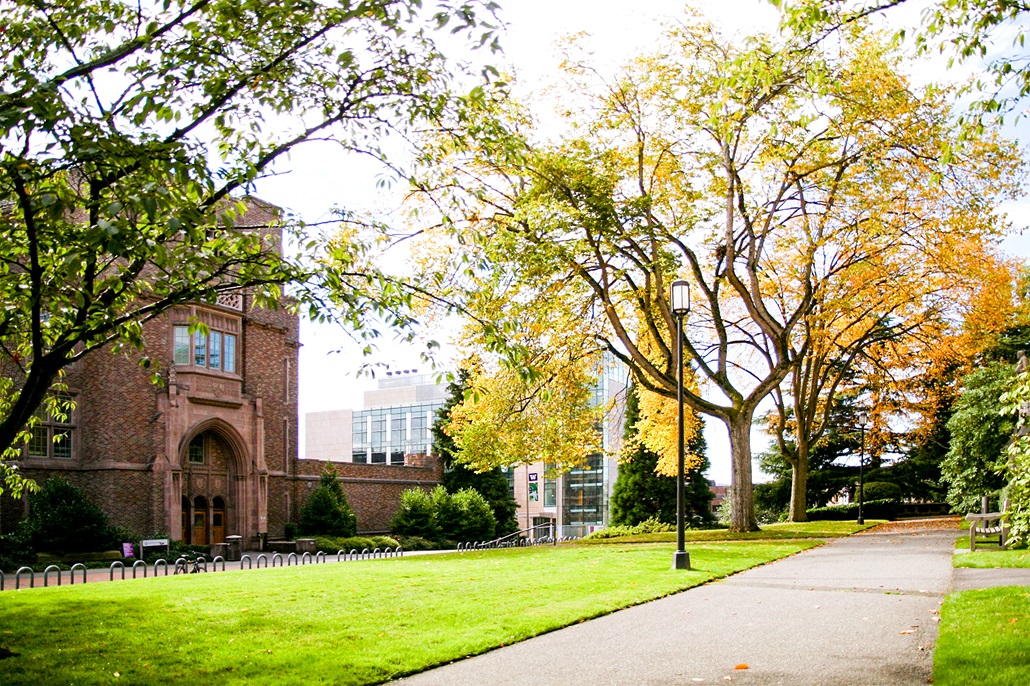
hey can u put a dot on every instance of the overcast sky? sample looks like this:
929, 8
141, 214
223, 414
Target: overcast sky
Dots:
319, 177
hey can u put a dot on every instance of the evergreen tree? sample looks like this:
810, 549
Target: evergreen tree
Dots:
640, 493
327, 512
492, 485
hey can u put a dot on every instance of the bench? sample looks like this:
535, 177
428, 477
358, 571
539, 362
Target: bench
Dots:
987, 524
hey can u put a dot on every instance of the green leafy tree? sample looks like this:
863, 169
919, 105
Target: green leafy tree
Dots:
492, 484
327, 512
62, 519
640, 493
980, 430
127, 129
967, 29
1016, 469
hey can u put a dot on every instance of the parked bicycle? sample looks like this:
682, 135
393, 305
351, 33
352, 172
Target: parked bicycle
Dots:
190, 565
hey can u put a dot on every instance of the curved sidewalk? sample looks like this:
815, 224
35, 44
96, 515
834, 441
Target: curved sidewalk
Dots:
861, 610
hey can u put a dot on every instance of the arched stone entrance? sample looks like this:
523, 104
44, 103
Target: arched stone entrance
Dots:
213, 476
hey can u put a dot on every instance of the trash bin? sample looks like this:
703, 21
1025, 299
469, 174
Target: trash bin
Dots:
306, 545
234, 548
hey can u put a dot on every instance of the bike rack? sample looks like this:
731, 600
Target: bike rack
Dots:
250, 562
136, 564
202, 563
305, 556
46, 574
17, 577
291, 558
214, 563
78, 565
262, 557
318, 555
277, 555
161, 561
353, 555
3, 579
113, 565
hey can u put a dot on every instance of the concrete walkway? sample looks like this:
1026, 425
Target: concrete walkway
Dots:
965, 579
861, 610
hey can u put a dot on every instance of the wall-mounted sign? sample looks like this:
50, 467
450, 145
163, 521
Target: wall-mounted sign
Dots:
534, 493
532, 476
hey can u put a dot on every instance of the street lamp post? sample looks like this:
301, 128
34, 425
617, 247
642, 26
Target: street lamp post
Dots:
863, 419
680, 297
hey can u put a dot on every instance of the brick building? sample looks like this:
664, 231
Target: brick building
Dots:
213, 451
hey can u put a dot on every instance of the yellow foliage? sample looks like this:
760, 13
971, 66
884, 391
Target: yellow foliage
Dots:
507, 419
657, 431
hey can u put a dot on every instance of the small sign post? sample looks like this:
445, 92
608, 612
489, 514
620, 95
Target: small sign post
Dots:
154, 543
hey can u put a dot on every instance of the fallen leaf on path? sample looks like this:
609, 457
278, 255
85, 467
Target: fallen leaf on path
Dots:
742, 665
907, 631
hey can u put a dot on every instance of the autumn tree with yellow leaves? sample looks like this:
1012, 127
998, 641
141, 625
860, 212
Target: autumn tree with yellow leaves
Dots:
787, 182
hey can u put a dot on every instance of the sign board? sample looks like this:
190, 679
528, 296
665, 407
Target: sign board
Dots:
154, 543
532, 476
534, 493
128, 550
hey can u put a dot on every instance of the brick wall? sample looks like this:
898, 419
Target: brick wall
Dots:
373, 491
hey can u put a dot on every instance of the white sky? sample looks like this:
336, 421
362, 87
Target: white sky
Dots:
318, 177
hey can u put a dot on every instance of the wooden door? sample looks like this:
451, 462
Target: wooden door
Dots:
217, 526
199, 527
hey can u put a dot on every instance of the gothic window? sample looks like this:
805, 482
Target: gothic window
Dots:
213, 350
53, 435
196, 450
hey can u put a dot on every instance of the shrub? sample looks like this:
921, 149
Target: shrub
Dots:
291, 530
648, 526
15, 551
444, 518
63, 520
332, 544
417, 543
416, 516
881, 490
475, 519
327, 512
872, 509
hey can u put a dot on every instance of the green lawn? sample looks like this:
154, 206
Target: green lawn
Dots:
784, 531
989, 556
344, 623
984, 638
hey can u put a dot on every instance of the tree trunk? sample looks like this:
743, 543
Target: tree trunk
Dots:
742, 501
799, 485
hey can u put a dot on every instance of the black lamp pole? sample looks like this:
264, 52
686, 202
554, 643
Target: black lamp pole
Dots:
863, 419
680, 307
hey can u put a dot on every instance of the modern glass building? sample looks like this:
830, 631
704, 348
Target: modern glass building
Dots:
397, 421
384, 435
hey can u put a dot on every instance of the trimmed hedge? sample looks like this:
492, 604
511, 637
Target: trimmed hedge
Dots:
882, 490
331, 544
871, 509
